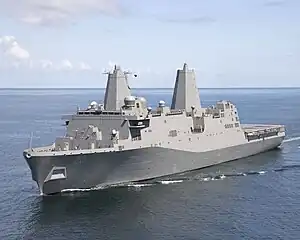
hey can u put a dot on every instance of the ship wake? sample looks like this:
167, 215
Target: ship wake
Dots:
173, 180
292, 139
202, 178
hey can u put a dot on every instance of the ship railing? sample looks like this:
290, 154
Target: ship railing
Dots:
198, 130
155, 114
44, 149
99, 112
261, 131
260, 134
174, 112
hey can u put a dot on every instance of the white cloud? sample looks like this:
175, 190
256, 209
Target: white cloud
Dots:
16, 56
46, 64
11, 48
49, 12
66, 65
84, 66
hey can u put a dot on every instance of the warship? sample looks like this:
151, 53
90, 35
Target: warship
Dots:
124, 140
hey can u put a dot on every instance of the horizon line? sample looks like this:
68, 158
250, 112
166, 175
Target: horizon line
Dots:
146, 88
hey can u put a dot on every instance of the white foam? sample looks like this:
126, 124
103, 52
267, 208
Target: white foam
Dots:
82, 189
206, 179
140, 185
291, 139
165, 182
170, 181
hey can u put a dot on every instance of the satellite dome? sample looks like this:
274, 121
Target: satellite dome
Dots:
143, 102
142, 99
129, 101
130, 98
161, 103
93, 103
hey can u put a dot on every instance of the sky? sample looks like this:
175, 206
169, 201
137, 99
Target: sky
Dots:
70, 43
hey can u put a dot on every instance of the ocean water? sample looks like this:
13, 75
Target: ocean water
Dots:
252, 198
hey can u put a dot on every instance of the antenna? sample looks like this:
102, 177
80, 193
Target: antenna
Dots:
131, 73
30, 140
127, 72
105, 71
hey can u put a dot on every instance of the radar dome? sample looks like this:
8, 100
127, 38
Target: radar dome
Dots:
161, 103
142, 99
129, 101
143, 102
93, 103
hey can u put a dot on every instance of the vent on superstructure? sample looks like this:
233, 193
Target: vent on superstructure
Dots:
198, 125
172, 133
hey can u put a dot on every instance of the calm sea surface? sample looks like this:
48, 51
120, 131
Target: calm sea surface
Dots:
262, 203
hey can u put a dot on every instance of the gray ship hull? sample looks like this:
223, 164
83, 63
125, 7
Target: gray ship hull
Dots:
102, 169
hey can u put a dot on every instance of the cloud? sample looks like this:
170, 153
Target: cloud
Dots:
16, 56
84, 66
46, 64
54, 12
66, 65
12, 49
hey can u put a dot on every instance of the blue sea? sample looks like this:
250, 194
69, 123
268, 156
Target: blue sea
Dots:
252, 198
